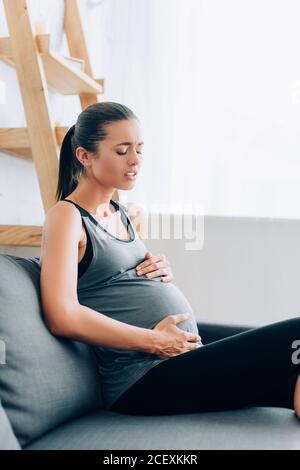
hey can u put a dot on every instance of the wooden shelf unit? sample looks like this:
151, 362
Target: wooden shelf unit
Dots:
39, 68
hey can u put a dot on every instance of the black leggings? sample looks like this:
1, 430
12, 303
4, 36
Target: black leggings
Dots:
257, 367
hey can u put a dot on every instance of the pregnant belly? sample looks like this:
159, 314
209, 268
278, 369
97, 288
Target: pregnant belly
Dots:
140, 301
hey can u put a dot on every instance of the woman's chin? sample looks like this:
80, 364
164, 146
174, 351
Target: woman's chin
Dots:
127, 185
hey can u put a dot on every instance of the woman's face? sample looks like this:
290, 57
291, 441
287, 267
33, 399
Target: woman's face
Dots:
118, 154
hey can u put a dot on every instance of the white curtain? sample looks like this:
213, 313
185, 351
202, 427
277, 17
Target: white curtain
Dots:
216, 85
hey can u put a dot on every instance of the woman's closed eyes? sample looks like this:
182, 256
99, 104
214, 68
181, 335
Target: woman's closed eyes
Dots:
120, 153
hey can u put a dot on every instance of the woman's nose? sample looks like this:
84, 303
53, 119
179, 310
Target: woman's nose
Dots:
134, 158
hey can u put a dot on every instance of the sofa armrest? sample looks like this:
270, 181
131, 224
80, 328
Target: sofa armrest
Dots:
210, 332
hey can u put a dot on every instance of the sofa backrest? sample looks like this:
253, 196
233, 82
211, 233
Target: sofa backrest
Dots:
44, 379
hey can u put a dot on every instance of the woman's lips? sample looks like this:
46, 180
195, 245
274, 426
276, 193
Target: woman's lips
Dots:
130, 176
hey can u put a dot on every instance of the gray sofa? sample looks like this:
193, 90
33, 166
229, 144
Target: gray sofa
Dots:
50, 390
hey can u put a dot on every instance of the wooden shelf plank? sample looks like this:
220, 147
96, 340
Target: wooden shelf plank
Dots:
15, 140
23, 153
6, 51
63, 74
67, 80
21, 235
14, 137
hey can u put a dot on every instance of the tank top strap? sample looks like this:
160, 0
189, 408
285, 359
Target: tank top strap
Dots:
116, 204
124, 216
82, 211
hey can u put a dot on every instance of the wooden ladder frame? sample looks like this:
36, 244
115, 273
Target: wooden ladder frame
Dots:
38, 68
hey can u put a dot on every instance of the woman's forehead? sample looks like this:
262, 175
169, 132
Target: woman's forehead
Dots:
125, 132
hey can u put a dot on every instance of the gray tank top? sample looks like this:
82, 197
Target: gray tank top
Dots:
111, 286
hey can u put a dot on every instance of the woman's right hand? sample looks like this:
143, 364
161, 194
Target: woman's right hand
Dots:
171, 341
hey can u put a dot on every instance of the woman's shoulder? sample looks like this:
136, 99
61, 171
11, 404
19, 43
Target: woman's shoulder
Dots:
63, 207
62, 218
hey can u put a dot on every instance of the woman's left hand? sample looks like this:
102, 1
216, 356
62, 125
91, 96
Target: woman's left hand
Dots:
154, 266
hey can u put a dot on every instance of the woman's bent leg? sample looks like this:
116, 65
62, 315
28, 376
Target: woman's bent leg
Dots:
257, 367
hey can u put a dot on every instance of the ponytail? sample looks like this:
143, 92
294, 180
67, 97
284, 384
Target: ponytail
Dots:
70, 167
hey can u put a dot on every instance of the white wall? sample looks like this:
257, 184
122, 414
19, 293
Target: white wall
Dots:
246, 273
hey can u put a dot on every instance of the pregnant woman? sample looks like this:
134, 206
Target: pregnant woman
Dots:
141, 326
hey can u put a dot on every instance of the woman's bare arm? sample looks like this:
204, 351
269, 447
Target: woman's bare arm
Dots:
64, 315
85, 324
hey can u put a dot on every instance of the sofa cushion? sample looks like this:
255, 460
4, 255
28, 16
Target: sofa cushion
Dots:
46, 379
245, 428
8, 440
